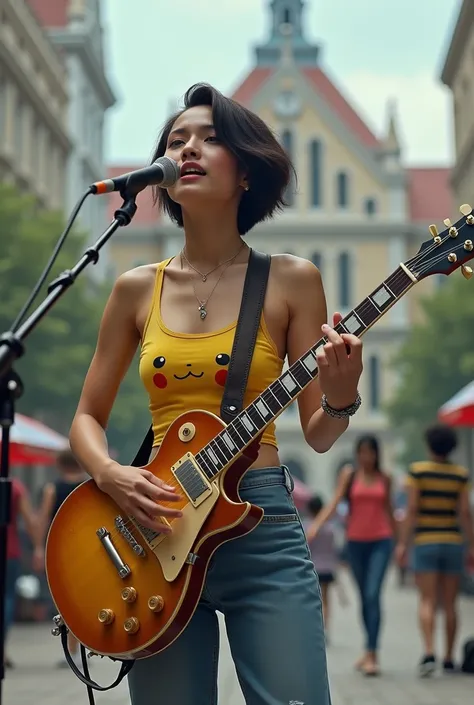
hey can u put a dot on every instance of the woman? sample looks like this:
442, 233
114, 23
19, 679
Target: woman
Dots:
370, 532
438, 514
233, 175
20, 508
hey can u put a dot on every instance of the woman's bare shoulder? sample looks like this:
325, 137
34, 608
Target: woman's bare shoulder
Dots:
136, 281
295, 270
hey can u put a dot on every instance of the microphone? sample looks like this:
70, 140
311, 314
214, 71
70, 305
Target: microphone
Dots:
164, 173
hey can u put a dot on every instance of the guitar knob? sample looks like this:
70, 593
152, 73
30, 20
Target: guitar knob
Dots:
106, 616
131, 625
129, 594
156, 603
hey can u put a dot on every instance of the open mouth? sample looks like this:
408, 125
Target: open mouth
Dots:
189, 374
191, 170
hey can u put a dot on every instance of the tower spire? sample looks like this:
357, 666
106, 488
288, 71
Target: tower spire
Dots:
289, 14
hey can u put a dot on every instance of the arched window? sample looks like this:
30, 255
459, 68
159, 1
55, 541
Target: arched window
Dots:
345, 280
374, 383
370, 206
342, 189
316, 172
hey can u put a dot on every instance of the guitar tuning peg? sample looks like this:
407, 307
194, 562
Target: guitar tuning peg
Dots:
465, 209
466, 271
434, 230
447, 222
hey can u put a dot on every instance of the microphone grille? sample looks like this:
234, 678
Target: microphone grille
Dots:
171, 171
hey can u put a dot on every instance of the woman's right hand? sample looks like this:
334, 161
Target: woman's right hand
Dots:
138, 493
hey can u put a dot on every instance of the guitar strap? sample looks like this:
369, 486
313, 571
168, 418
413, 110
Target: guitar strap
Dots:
253, 297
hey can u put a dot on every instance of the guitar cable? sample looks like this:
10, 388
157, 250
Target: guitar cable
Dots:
85, 678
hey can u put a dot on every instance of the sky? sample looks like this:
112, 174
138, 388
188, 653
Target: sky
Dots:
373, 50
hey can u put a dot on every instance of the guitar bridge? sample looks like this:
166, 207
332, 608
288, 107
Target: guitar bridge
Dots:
194, 483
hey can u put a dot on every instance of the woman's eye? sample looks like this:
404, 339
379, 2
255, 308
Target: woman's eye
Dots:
213, 138
175, 143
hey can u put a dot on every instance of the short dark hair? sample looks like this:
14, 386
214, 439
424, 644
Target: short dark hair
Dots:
441, 440
255, 147
315, 505
66, 460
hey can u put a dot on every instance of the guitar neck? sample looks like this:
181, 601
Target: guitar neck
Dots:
250, 422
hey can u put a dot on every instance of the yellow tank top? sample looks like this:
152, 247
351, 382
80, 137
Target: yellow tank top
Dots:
184, 371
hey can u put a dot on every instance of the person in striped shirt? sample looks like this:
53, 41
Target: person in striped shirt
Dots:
440, 523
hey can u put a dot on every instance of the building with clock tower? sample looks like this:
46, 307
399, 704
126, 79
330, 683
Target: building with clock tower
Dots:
355, 211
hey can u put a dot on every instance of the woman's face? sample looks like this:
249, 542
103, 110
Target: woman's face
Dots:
367, 456
192, 143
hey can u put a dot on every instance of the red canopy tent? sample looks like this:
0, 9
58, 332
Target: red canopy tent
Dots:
33, 443
459, 410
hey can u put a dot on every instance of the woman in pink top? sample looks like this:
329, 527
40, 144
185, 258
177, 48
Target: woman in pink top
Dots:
370, 534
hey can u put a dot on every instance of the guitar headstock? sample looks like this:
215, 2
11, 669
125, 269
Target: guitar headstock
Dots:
448, 250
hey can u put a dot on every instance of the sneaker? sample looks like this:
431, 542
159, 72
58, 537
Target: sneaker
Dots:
448, 666
427, 666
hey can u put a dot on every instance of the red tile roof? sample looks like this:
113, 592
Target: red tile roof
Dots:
429, 194
324, 87
50, 13
147, 214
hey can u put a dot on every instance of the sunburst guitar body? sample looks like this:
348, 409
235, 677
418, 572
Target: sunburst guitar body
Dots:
124, 591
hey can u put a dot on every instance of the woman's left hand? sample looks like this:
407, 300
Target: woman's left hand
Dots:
340, 366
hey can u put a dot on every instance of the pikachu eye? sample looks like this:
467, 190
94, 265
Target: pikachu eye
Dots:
222, 359
158, 362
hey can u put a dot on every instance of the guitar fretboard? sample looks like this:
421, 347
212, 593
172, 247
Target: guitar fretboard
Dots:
250, 422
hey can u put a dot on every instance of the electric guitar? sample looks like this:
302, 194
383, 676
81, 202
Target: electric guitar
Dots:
128, 592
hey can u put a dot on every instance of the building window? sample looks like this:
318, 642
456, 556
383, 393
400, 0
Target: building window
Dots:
317, 260
345, 283
342, 188
374, 383
316, 171
288, 146
287, 16
370, 206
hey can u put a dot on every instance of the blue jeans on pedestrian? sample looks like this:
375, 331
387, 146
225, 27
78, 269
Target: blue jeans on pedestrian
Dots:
369, 561
266, 587
13, 573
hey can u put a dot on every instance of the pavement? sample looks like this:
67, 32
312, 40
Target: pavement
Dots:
37, 681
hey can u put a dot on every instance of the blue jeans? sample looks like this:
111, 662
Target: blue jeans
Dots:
13, 572
444, 558
265, 585
369, 562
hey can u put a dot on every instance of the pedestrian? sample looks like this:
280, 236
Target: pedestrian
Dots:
438, 512
370, 530
71, 475
21, 508
325, 557
183, 314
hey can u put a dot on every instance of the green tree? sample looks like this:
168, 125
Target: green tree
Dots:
59, 350
436, 360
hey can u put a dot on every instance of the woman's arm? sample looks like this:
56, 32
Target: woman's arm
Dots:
339, 371
408, 525
329, 510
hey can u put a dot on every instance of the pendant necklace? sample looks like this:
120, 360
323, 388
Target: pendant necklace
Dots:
202, 308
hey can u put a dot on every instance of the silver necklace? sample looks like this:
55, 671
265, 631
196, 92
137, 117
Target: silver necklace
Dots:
221, 264
202, 308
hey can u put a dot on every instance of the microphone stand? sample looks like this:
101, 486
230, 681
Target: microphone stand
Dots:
11, 386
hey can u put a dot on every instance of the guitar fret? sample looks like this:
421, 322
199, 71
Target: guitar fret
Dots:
244, 433
205, 464
271, 401
368, 312
301, 374
281, 393
399, 282
255, 417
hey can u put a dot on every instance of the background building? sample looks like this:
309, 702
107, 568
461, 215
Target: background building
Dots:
75, 29
34, 142
356, 212
457, 74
